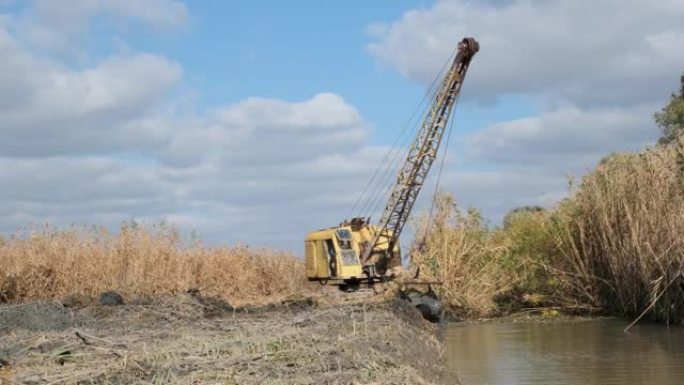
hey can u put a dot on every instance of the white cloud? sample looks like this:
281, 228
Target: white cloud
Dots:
78, 190
600, 69
101, 142
564, 139
585, 52
103, 145
49, 109
157, 13
271, 203
267, 131
496, 192
57, 26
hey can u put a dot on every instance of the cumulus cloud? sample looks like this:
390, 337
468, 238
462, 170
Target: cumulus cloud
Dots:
78, 190
59, 27
249, 175
278, 168
565, 138
260, 131
100, 142
495, 192
598, 70
584, 52
158, 13
233, 173
50, 110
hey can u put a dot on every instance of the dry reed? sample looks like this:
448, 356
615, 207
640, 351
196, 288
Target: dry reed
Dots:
138, 261
616, 245
622, 234
467, 258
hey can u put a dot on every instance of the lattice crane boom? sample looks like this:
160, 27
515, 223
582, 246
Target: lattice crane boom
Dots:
423, 151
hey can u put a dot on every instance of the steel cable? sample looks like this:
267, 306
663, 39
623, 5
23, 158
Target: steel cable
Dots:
374, 199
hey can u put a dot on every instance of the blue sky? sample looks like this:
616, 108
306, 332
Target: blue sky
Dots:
274, 50
259, 121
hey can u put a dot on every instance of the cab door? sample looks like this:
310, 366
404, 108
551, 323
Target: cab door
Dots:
331, 254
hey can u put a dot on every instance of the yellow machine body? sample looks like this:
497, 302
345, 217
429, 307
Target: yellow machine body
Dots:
334, 254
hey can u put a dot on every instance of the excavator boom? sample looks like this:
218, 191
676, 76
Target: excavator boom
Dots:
423, 151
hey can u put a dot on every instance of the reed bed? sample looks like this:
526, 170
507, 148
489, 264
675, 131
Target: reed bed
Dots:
51, 263
623, 235
615, 246
467, 258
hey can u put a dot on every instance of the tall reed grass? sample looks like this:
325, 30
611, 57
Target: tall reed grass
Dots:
623, 233
50, 263
616, 245
467, 258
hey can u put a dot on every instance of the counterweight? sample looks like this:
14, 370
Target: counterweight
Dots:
423, 151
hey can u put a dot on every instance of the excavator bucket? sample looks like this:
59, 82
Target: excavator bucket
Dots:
428, 303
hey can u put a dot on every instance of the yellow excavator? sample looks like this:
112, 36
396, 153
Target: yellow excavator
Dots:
356, 251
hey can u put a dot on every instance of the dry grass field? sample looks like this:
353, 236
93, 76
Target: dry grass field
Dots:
49, 263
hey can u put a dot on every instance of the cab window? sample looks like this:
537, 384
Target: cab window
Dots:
344, 239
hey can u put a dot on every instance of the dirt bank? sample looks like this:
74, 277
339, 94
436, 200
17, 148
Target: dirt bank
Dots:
183, 340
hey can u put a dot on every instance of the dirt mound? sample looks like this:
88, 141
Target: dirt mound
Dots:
38, 317
179, 340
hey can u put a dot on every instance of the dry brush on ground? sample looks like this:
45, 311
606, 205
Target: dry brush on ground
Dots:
180, 340
51, 263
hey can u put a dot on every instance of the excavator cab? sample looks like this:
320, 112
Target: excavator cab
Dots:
335, 254
331, 255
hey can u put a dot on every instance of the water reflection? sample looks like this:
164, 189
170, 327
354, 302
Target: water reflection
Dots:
565, 352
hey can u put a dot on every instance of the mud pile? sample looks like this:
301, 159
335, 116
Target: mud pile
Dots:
182, 339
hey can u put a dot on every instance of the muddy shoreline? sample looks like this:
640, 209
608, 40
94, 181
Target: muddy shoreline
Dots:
180, 340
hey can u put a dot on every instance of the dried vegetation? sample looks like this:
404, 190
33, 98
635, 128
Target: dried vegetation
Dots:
50, 263
615, 245
180, 340
624, 234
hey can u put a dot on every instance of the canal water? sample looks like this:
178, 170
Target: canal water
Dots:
565, 352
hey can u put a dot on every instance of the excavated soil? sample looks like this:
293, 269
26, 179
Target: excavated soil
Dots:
189, 340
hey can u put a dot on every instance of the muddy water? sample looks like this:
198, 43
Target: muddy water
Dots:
565, 352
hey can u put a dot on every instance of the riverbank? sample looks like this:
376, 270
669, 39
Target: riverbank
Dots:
185, 339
